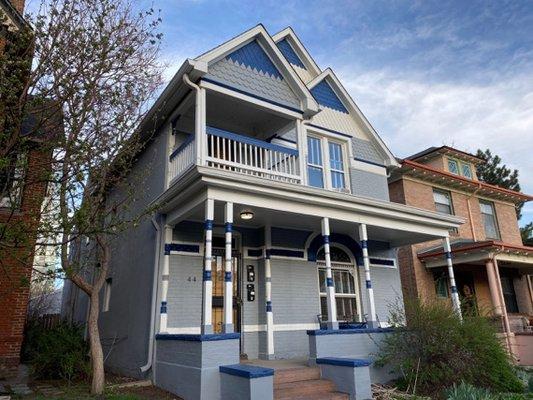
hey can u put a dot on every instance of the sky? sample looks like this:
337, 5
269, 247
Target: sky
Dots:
425, 73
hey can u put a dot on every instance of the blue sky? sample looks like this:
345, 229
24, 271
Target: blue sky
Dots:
424, 72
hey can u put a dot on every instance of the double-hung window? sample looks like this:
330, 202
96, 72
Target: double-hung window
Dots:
345, 293
443, 202
325, 163
336, 165
489, 219
315, 167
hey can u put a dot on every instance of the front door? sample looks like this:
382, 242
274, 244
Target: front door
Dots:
217, 268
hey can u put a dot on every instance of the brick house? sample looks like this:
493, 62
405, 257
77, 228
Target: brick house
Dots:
22, 191
492, 267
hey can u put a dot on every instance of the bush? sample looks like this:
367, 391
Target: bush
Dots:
437, 350
57, 353
467, 392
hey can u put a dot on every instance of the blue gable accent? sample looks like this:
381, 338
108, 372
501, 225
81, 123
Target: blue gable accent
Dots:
286, 49
253, 56
324, 94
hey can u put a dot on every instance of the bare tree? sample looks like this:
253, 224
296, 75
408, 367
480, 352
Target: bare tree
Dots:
95, 68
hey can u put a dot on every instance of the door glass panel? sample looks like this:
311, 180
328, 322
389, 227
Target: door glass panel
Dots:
322, 280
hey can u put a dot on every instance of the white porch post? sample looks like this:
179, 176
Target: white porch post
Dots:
268, 294
165, 274
200, 123
228, 279
302, 150
332, 306
453, 287
372, 320
207, 283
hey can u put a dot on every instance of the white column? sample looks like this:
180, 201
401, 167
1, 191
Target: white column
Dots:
207, 284
200, 123
165, 273
332, 306
228, 279
268, 294
453, 287
302, 150
372, 320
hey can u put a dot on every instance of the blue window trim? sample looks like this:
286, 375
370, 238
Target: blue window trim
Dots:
251, 95
345, 362
186, 248
246, 139
188, 140
246, 371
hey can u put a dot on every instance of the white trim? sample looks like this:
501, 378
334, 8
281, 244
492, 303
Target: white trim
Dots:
367, 167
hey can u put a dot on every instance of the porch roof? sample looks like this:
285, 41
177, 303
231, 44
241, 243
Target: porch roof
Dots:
467, 251
300, 207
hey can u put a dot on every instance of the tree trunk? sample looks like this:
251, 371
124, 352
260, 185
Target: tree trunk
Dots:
97, 354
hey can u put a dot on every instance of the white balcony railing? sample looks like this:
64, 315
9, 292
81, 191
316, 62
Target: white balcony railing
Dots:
243, 154
182, 158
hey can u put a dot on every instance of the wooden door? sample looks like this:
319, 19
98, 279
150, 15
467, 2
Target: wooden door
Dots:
217, 268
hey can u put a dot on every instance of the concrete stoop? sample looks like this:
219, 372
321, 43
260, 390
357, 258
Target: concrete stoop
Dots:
304, 383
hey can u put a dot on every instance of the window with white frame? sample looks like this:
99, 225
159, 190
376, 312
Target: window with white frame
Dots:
315, 168
345, 283
325, 163
489, 219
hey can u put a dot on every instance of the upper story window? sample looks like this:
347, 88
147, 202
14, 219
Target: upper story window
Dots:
336, 165
443, 201
457, 167
325, 163
315, 168
489, 219
453, 166
12, 181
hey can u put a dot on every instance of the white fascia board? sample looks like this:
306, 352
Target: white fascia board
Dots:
309, 104
299, 48
322, 203
354, 110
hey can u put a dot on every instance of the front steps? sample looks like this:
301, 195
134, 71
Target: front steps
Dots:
304, 383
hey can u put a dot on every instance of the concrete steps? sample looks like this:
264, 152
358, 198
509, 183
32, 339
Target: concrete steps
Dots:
304, 383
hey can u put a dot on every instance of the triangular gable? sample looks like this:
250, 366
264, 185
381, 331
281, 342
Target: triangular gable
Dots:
289, 43
253, 56
286, 49
330, 79
255, 49
326, 97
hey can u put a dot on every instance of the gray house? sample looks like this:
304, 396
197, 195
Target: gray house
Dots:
275, 240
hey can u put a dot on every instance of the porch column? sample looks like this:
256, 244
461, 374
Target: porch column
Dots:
453, 287
493, 288
507, 326
207, 283
372, 320
268, 294
332, 306
165, 273
200, 122
228, 281
302, 150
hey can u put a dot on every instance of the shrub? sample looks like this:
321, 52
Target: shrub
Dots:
436, 350
57, 353
465, 391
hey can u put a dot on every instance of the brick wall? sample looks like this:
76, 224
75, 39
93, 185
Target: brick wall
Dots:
16, 265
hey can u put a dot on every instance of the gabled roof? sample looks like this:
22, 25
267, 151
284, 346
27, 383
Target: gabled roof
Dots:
290, 38
278, 60
346, 101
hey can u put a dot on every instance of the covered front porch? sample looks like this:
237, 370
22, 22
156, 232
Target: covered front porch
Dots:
257, 270
494, 279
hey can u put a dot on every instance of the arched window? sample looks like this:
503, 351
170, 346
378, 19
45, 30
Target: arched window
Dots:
336, 254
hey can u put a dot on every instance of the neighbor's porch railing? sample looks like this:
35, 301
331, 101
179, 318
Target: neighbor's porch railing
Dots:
243, 154
182, 158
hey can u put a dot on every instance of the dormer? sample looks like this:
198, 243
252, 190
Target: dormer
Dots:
449, 160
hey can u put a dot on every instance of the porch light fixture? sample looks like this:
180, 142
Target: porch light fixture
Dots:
246, 215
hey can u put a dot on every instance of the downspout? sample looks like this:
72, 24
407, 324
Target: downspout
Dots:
155, 286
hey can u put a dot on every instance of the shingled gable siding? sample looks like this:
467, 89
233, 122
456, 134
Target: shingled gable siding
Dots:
249, 79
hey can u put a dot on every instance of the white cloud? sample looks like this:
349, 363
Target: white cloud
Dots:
412, 114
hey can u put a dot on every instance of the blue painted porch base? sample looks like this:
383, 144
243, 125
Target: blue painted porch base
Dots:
247, 371
318, 332
198, 337
345, 362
